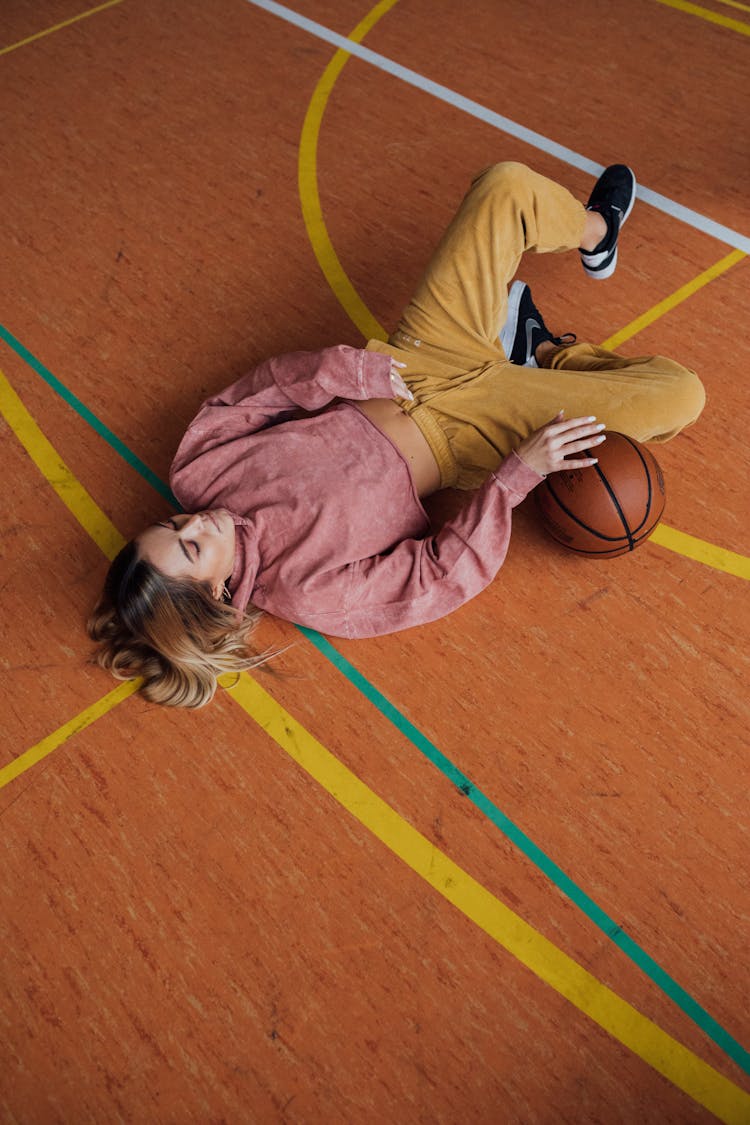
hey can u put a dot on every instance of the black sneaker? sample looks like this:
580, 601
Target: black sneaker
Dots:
525, 330
613, 197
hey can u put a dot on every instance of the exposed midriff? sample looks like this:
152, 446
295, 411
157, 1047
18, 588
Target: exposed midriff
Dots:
406, 435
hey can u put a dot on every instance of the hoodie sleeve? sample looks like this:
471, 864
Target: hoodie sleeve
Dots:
419, 580
280, 386
277, 390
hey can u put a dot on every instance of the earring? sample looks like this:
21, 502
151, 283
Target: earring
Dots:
225, 595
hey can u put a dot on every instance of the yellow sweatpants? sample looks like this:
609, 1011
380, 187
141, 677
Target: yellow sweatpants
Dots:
471, 404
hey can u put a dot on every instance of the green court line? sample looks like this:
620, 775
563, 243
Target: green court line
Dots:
532, 851
83, 411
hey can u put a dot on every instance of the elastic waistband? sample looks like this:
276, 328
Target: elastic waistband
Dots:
438, 443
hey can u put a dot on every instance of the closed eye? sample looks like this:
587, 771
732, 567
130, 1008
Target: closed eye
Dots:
186, 552
170, 525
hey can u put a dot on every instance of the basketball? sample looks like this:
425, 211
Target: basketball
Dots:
609, 508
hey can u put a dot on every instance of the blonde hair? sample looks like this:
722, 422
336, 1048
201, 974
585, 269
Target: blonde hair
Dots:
170, 631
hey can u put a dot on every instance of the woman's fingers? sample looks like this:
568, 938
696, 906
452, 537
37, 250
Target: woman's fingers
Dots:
553, 447
581, 463
575, 427
577, 446
400, 388
564, 455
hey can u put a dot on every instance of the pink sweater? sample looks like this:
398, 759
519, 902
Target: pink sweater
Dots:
330, 532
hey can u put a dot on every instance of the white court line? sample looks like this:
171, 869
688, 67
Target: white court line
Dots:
567, 155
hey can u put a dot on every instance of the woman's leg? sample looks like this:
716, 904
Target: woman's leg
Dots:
471, 404
649, 398
460, 303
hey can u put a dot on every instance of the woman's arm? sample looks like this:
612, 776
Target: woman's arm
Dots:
278, 388
420, 580
309, 380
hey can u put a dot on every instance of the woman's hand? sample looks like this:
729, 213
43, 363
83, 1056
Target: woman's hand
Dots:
549, 449
400, 389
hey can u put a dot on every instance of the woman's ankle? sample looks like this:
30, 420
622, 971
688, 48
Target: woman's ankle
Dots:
594, 231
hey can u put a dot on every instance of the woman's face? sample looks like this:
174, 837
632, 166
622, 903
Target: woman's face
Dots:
200, 546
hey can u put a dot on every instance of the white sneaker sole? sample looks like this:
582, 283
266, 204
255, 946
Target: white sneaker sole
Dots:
609, 269
507, 334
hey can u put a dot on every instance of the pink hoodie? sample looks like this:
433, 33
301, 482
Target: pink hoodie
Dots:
330, 532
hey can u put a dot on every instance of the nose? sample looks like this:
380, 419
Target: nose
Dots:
193, 523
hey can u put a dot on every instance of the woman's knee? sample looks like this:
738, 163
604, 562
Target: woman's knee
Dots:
507, 174
681, 398
696, 396
687, 392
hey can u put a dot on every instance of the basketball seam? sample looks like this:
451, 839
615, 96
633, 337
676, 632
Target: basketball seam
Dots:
585, 526
604, 551
632, 537
615, 501
648, 483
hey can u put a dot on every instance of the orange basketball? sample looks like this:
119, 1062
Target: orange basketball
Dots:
607, 509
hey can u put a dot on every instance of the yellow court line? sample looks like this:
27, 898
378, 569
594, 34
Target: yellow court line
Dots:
53, 468
673, 300
36, 753
58, 26
707, 14
699, 550
312, 211
669, 537
685, 1069
736, 4
622, 1021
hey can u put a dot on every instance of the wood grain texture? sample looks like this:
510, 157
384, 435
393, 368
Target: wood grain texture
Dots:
193, 930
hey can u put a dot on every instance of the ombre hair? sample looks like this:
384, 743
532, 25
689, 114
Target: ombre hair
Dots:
170, 631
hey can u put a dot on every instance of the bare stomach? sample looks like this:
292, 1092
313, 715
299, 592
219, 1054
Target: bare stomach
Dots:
406, 435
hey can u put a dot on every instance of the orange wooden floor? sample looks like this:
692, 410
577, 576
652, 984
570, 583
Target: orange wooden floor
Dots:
521, 894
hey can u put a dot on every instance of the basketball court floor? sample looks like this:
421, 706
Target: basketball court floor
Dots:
491, 870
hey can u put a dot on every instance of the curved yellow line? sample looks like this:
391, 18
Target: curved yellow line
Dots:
642, 1036
696, 1078
312, 211
688, 1072
709, 554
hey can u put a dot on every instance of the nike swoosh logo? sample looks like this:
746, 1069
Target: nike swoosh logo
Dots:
531, 324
